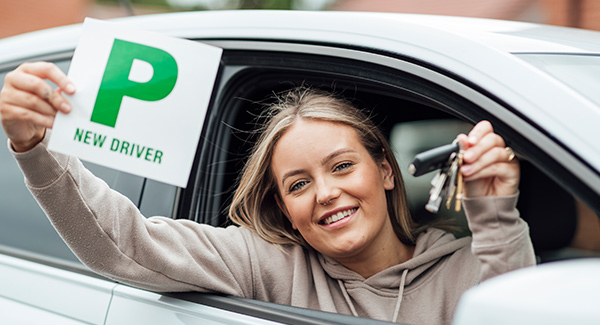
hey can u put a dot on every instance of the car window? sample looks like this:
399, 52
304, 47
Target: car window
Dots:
24, 226
580, 72
415, 114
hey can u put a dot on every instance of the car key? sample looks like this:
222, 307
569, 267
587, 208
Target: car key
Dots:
432, 159
459, 182
453, 171
435, 198
440, 186
448, 182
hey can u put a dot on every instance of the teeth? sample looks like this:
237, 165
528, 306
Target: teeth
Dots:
338, 216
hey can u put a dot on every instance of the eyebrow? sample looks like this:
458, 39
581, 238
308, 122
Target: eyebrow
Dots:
335, 154
323, 162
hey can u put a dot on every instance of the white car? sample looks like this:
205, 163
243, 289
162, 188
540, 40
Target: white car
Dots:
425, 79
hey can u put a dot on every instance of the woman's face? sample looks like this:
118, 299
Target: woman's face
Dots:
331, 189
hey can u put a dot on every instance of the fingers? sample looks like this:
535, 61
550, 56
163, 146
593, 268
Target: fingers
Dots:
489, 149
59, 102
46, 70
479, 131
28, 103
488, 167
494, 162
483, 148
26, 99
26, 87
14, 113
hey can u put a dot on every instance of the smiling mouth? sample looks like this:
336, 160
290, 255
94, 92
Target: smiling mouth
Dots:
338, 216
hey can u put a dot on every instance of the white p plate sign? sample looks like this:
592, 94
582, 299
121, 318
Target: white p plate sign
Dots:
140, 103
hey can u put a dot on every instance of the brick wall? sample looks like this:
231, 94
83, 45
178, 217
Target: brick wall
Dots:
20, 16
574, 13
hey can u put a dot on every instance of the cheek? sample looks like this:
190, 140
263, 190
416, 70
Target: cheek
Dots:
368, 184
300, 212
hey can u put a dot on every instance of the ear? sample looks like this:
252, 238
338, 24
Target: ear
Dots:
387, 173
284, 210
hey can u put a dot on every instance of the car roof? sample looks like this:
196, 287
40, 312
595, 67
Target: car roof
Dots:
481, 49
349, 28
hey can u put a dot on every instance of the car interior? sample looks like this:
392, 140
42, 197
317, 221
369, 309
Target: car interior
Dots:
415, 118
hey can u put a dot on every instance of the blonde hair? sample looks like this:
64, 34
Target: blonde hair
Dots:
254, 205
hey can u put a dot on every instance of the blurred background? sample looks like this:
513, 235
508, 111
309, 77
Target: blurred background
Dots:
22, 16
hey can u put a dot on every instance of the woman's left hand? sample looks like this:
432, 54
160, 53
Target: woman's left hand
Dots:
489, 167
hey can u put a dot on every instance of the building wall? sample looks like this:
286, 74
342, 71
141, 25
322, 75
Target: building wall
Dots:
20, 16
574, 13
504, 9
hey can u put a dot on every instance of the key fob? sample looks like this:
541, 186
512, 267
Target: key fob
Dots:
432, 159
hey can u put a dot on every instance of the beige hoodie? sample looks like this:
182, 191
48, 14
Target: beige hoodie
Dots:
107, 233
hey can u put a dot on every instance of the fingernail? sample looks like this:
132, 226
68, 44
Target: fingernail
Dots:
472, 139
468, 155
65, 107
465, 169
70, 88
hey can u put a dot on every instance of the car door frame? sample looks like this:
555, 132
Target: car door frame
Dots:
555, 159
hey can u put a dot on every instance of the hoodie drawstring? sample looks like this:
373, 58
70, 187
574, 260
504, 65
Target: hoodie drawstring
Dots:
400, 293
398, 302
347, 297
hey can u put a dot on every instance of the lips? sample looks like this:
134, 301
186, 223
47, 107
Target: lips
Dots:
337, 216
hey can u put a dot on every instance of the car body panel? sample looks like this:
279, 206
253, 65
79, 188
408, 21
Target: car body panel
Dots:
63, 295
128, 303
565, 292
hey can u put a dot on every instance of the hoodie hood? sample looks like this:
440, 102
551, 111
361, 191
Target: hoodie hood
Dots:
431, 246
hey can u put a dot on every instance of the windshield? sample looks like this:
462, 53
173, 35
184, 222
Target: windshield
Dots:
580, 72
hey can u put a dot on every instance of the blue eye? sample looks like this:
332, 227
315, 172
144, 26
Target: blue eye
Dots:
342, 166
297, 186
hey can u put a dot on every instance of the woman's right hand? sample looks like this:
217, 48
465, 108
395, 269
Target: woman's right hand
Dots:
28, 104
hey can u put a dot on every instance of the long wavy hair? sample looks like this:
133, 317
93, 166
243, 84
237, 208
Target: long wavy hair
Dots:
254, 205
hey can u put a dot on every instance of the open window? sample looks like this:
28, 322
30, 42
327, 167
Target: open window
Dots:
415, 113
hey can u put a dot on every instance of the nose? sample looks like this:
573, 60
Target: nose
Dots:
326, 191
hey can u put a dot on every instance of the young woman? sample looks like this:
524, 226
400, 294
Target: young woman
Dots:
321, 209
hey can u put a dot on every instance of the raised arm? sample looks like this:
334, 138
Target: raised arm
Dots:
501, 240
102, 227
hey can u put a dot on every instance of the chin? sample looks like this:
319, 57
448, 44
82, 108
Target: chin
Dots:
347, 249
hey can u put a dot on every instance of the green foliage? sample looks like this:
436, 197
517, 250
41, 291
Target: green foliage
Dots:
266, 4
233, 4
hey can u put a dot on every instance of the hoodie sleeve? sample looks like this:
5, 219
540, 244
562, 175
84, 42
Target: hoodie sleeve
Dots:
107, 232
501, 241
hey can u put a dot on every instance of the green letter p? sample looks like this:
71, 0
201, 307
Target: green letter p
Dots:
116, 84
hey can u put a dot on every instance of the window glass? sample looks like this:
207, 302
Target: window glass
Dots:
580, 72
24, 225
